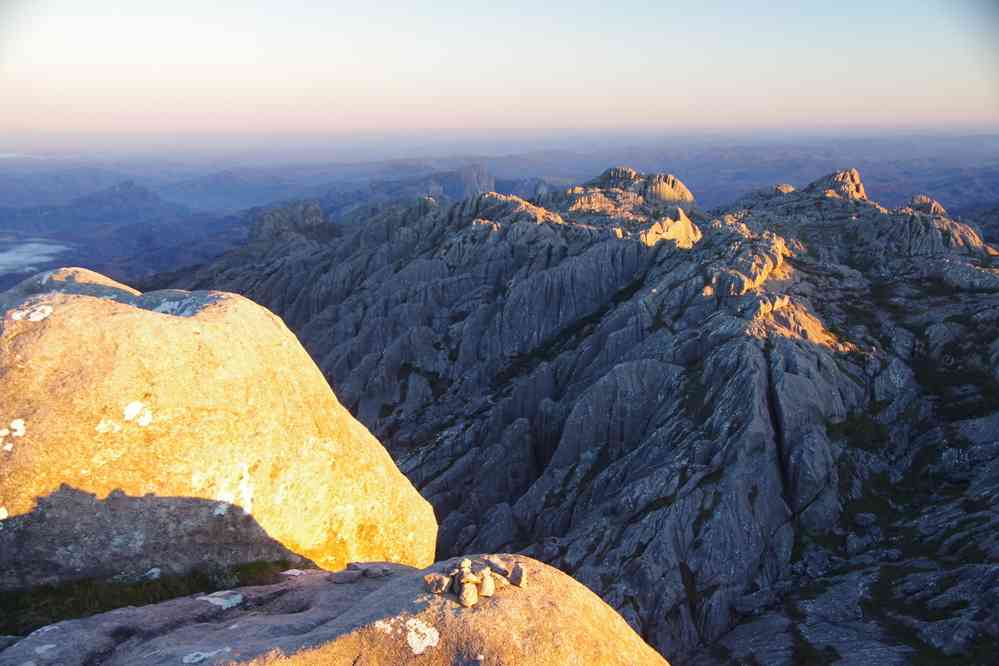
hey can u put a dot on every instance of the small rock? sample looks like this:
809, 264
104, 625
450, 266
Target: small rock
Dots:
518, 576
347, 576
488, 587
369, 570
469, 595
497, 565
437, 583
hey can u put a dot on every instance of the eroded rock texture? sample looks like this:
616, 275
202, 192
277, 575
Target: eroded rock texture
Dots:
175, 430
765, 432
379, 617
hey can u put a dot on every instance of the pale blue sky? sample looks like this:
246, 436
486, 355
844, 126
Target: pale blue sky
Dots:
145, 67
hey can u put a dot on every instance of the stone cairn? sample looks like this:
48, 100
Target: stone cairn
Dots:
469, 586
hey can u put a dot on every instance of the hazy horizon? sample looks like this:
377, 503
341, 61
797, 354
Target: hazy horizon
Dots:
238, 77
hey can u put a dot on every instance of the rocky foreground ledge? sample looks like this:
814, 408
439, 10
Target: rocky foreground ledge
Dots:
373, 614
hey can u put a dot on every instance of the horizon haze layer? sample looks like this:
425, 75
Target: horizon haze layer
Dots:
219, 79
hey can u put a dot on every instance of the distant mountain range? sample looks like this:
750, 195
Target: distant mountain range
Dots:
125, 231
129, 231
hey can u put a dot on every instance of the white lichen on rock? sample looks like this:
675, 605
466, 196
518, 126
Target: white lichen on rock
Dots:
18, 428
35, 314
132, 410
420, 636
224, 599
145, 418
242, 496
383, 626
107, 425
198, 657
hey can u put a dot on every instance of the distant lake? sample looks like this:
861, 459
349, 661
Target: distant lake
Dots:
26, 255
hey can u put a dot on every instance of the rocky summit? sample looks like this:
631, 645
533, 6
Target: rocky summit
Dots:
151, 434
764, 433
368, 615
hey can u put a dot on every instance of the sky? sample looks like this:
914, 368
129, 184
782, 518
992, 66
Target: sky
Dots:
183, 71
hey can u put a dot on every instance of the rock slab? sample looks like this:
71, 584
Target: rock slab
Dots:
175, 430
374, 621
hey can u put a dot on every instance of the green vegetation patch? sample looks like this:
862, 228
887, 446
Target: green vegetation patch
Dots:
22, 612
860, 430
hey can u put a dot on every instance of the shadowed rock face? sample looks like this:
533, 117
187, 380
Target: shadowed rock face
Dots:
318, 618
175, 397
292, 222
737, 427
58, 539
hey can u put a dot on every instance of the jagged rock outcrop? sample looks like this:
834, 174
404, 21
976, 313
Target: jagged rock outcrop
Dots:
846, 184
924, 204
382, 616
290, 222
175, 430
986, 220
705, 430
658, 187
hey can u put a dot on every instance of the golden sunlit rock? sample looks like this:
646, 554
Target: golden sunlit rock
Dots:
180, 429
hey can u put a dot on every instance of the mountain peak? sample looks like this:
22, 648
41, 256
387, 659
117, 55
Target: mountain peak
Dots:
127, 192
664, 187
620, 176
923, 203
846, 184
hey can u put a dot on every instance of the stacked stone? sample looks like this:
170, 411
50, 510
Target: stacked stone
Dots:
469, 586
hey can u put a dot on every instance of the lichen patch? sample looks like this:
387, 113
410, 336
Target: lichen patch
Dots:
145, 418
132, 410
198, 657
35, 314
383, 626
223, 599
107, 425
420, 636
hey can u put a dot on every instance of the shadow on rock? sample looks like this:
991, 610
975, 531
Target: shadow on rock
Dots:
133, 550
